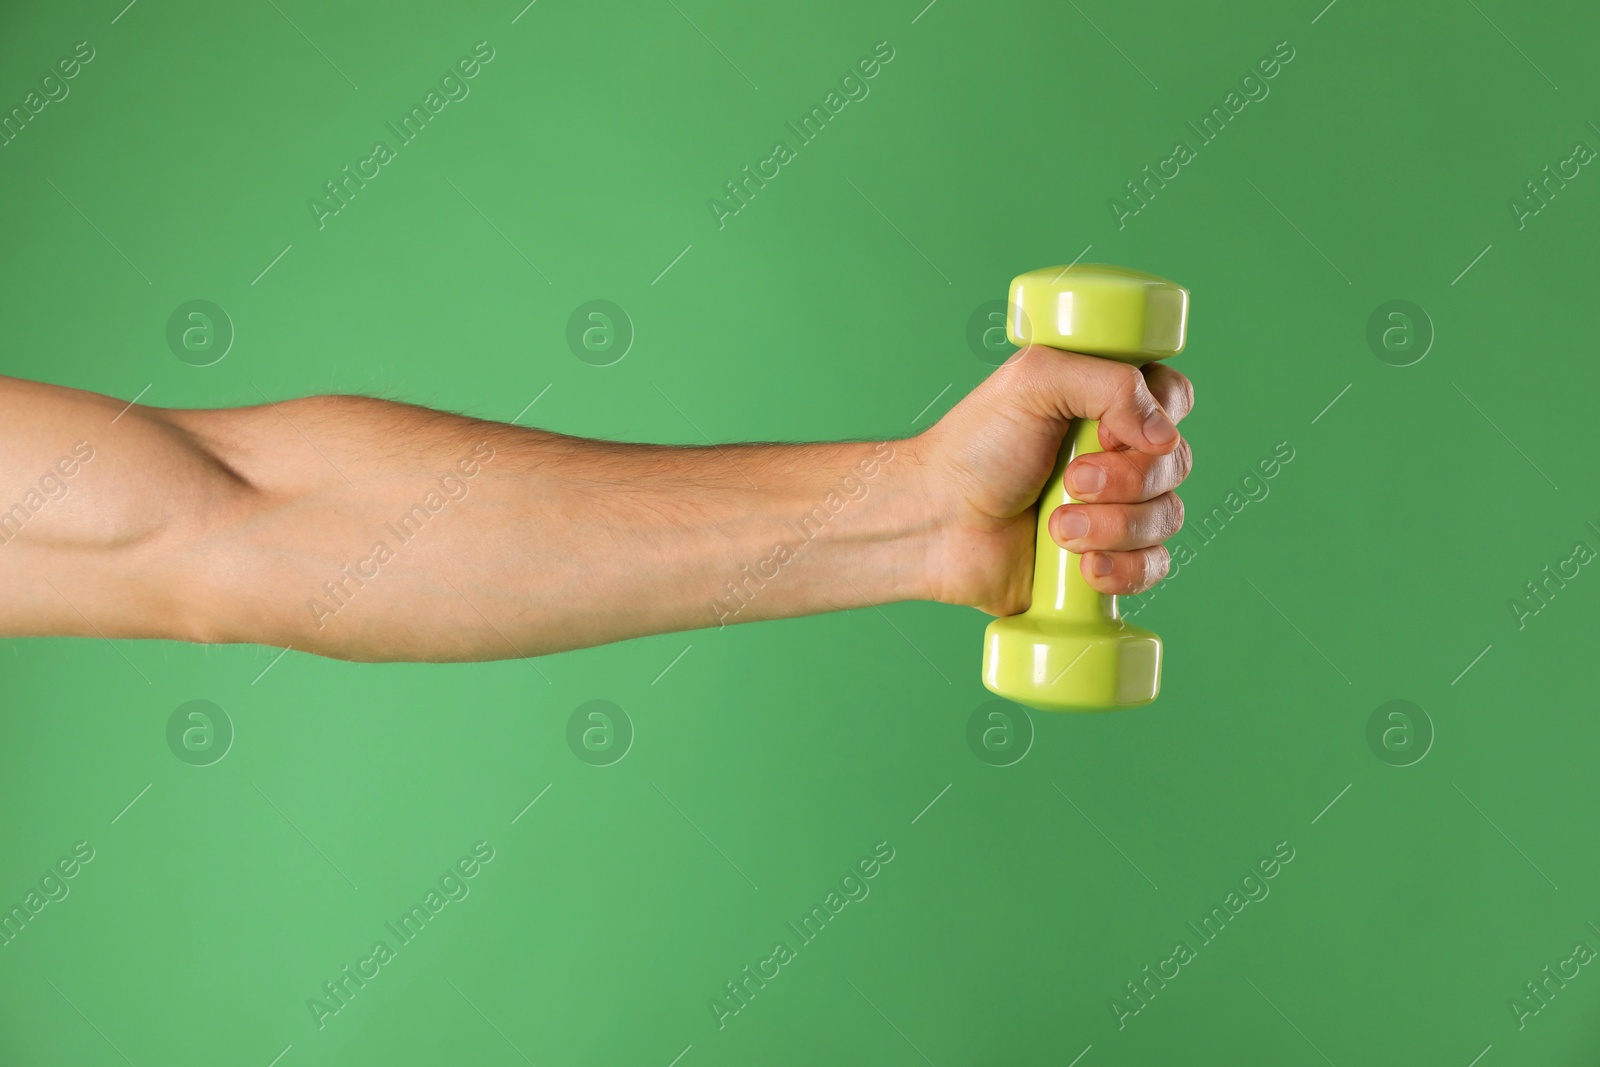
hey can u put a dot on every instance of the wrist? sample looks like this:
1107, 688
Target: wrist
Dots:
895, 528
845, 521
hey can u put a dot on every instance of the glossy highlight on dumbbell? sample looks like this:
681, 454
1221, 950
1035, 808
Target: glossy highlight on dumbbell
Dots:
1070, 651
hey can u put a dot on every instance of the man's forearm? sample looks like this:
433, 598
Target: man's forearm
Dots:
480, 541
363, 529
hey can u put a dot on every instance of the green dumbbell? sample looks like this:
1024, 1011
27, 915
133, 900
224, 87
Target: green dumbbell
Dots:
1070, 651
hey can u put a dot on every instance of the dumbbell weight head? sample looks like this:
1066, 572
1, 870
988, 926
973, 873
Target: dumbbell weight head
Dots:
1099, 310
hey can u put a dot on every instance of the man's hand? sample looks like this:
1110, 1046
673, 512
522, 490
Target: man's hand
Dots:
987, 460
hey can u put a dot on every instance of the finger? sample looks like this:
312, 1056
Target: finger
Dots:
1125, 573
1171, 389
1084, 528
1069, 385
1127, 477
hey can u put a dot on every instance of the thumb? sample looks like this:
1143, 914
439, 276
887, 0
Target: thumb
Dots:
1075, 386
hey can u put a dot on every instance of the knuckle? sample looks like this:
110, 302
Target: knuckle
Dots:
1145, 568
1174, 514
1112, 525
1183, 459
1147, 475
1129, 479
1182, 392
1158, 563
1123, 477
1128, 382
1134, 572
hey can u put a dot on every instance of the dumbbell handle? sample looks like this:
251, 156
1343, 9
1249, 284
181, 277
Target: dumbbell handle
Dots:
1059, 587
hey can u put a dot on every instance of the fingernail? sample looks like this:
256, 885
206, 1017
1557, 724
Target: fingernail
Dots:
1072, 525
1101, 565
1158, 429
1088, 479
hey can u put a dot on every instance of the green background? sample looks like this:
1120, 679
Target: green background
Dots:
766, 760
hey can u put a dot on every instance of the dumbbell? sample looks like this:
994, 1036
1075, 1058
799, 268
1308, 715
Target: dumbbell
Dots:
1070, 651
